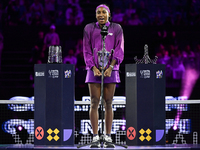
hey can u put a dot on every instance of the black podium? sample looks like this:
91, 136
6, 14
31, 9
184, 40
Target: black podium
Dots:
145, 104
54, 104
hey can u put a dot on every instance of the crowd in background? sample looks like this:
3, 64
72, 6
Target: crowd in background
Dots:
78, 12
74, 54
176, 54
178, 57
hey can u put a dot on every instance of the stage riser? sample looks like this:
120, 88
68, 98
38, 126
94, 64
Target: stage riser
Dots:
170, 147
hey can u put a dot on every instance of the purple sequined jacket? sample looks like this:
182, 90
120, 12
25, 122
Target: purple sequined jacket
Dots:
92, 43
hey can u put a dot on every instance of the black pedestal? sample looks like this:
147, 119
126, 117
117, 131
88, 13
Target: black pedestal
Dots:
145, 104
54, 104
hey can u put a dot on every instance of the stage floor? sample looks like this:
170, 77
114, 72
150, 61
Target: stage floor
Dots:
155, 147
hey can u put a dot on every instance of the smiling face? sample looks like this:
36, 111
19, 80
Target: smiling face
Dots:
102, 15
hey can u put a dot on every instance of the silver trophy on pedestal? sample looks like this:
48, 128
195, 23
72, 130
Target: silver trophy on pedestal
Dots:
105, 59
55, 54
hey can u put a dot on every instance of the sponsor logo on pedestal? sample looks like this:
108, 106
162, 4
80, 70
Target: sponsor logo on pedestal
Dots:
130, 74
53, 134
67, 134
131, 133
39, 133
53, 73
159, 74
159, 134
68, 74
142, 137
39, 74
145, 74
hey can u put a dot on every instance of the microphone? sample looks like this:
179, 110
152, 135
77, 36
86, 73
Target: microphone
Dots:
104, 30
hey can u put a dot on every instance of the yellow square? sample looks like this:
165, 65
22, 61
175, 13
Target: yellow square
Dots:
49, 137
49, 131
56, 138
148, 131
142, 131
142, 138
148, 138
56, 131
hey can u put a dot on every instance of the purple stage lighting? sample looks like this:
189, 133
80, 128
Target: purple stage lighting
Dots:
123, 128
179, 113
20, 128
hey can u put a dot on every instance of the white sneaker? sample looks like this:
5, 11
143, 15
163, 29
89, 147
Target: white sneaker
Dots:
95, 142
108, 142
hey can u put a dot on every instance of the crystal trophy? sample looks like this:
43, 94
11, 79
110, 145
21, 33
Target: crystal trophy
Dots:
105, 59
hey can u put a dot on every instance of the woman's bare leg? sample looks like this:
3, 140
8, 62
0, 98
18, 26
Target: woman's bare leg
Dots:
95, 92
109, 91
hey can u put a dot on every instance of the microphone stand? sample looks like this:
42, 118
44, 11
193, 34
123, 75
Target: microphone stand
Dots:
101, 138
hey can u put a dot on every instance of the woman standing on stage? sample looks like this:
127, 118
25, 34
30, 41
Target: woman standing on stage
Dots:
114, 54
